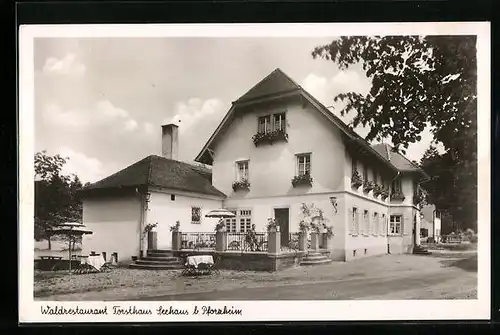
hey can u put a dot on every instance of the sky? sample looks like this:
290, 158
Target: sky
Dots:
101, 101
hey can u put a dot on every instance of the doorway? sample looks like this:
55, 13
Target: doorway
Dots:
281, 216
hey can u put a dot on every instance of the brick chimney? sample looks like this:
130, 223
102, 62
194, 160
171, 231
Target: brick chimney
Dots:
170, 141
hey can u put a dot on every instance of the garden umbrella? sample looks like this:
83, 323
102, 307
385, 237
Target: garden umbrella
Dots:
221, 214
70, 229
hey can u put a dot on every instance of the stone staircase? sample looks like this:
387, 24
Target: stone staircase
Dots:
419, 250
158, 260
315, 258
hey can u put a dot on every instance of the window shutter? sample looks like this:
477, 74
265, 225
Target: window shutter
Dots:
403, 230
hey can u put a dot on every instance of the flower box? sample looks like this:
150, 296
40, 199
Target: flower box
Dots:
368, 185
356, 180
304, 179
384, 193
270, 137
241, 185
377, 190
398, 196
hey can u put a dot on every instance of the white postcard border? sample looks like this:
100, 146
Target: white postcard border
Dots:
30, 310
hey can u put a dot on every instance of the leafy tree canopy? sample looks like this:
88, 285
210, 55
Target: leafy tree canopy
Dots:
419, 81
56, 198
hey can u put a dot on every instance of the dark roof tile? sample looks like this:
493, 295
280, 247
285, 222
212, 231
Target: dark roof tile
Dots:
160, 172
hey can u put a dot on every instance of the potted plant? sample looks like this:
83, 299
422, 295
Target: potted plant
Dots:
356, 180
176, 227
220, 227
304, 179
368, 185
272, 226
243, 184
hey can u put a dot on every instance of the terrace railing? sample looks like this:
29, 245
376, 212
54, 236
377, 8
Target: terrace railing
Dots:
245, 242
198, 241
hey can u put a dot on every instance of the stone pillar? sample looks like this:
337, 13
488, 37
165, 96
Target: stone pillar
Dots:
176, 240
273, 242
220, 241
314, 241
302, 241
152, 240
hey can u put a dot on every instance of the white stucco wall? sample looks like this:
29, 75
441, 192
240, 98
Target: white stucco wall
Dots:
272, 167
115, 222
166, 212
375, 242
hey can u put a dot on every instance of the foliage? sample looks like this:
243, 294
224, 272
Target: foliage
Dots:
271, 224
397, 195
243, 184
368, 185
312, 218
356, 179
377, 190
176, 226
56, 199
419, 81
304, 179
149, 227
270, 137
220, 226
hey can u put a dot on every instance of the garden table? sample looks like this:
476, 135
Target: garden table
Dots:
199, 264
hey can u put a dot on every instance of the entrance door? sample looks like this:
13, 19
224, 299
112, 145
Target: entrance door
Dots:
281, 217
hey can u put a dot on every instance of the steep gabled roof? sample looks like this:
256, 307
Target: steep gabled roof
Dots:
275, 83
278, 84
161, 172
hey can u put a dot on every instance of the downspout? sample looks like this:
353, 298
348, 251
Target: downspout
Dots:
141, 222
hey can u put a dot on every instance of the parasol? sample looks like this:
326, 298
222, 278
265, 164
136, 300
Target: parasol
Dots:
220, 213
70, 229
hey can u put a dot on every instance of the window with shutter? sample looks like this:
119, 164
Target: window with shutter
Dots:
375, 223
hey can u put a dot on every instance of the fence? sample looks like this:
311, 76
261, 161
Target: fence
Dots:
198, 241
246, 242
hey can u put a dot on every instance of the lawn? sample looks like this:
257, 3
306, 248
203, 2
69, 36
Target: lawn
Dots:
124, 283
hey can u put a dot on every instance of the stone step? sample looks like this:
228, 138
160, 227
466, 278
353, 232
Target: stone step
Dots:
161, 258
314, 257
316, 262
160, 252
156, 266
153, 262
314, 253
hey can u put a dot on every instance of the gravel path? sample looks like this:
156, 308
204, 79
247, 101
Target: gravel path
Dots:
125, 284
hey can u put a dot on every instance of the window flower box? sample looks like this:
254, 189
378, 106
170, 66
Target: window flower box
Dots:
243, 184
300, 180
384, 193
270, 137
356, 180
377, 190
368, 185
398, 196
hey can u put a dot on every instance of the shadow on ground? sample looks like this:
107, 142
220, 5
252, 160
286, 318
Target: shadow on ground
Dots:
467, 264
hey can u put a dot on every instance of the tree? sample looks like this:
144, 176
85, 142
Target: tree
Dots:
56, 198
417, 82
